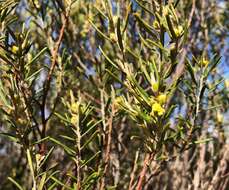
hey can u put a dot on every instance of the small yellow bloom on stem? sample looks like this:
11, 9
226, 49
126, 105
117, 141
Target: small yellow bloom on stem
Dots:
74, 107
157, 108
15, 49
204, 62
178, 30
156, 24
113, 37
162, 99
74, 119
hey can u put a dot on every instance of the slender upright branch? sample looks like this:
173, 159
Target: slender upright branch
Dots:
147, 161
49, 76
108, 147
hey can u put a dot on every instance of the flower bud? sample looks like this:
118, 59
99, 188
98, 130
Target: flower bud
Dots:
156, 25
155, 86
178, 30
204, 62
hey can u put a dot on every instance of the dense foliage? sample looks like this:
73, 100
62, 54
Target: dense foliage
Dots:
104, 94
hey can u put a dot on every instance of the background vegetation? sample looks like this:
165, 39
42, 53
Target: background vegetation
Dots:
105, 94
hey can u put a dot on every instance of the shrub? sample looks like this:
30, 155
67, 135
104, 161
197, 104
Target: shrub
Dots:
113, 94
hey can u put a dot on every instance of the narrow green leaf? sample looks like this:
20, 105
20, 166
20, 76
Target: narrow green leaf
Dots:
37, 56
31, 77
115, 77
91, 178
46, 157
101, 12
191, 71
66, 148
90, 139
99, 31
128, 12
52, 186
171, 27
170, 111
30, 162
92, 127
214, 62
10, 136
202, 141
62, 118
68, 138
108, 59
202, 91
90, 159
15, 183
42, 182
40, 141
60, 183
155, 70
156, 44
145, 25
144, 7
119, 35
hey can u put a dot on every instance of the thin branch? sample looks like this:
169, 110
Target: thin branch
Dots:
49, 76
147, 161
132, 175
108, 147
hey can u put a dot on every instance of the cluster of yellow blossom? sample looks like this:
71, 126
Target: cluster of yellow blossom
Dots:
75, 111
157, 105
74, 119
157, 108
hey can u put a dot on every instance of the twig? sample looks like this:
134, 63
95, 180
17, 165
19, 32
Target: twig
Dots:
108, 147
78, 159
192, 12
133, 171
147, 161
49, 77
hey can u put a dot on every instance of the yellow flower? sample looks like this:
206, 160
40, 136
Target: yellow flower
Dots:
156, 24
15, 49
178, 30
162, 98
204, 62
74, 119
113, 37
74, 107
156, 108
118, 100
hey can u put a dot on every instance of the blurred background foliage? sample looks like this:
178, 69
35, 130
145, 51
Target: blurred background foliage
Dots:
105, 94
